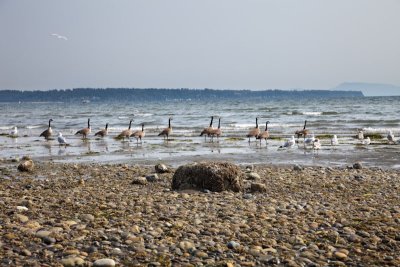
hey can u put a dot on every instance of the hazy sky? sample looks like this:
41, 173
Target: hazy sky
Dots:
198, 44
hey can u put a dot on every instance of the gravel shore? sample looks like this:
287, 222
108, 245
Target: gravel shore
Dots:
106, 215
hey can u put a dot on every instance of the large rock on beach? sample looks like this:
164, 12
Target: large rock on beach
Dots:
214, 176
26, 166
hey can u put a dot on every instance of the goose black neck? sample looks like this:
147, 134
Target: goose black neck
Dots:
219, 123
305, 123
88, 123
130, 124
142, 127
211, 122
106, 126
49, 123
169, 123
266, 126
256, 122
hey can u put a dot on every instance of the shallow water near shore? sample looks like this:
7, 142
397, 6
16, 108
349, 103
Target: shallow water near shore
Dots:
375, 115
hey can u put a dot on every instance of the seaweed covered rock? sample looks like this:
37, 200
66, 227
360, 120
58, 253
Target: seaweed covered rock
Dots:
26, 165
213, 176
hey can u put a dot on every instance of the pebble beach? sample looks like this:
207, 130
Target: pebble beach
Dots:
69, 214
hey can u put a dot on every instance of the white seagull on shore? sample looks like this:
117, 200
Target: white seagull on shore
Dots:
390, 137
309, 140
14, 132
59, 36
360, 135
61, 140
334, 140
289, 142
366, 141
316, 145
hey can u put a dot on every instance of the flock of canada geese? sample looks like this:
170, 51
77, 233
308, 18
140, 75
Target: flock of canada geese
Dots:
211, 132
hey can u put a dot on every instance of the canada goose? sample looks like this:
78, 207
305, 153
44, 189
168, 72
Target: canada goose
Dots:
61, 140
167, 131
102, 132
264, 135
334, 140
303, 132
85, 131
126, 133
254, 132
216, 132
289, 143
366, 141
139, 134
14, 132
48, 132
390, 137
206, 131
309, 140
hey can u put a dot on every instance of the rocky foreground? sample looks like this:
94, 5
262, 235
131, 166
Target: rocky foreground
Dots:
106, 215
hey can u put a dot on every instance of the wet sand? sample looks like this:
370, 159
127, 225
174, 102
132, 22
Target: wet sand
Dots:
183, 149
74, 214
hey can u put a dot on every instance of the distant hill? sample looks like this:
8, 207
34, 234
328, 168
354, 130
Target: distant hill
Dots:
370, 89
122, 94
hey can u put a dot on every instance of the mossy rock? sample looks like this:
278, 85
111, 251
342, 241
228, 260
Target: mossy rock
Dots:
213, 176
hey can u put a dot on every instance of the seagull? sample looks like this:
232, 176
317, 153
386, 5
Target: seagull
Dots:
310, 140
61, 140
14, 131
334, 140
366, 141
360, 135
289, 142
59, 36
390, 137
316, 145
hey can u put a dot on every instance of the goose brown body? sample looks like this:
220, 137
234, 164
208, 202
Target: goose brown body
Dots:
206, 131
139, 134
265, 134
304, 132
126, 133
167, 131
216, 132
48, 132
102, 132
254, 132
85, 131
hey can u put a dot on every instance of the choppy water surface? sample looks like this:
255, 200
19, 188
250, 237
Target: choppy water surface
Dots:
327, 116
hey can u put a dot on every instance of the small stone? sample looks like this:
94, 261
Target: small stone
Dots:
26, 252
72, 262
357, 166
104, 263
258, 187
248, 196
186, 245
233, 245
340, 255
22, 208
297, 167
87, 217
26, 166
139, 180
22, 218
253, 176
135, 229
48, 240
161, 168
152, 178
42, 233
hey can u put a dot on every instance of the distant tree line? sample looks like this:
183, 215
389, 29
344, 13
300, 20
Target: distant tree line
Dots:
151, 94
